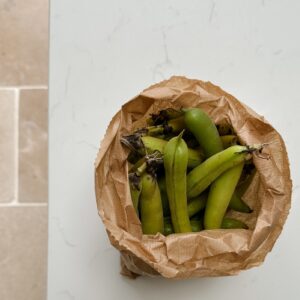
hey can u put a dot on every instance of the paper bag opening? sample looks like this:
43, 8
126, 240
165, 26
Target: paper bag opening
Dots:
208, 252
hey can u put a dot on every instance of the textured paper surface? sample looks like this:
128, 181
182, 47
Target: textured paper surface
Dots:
209, 252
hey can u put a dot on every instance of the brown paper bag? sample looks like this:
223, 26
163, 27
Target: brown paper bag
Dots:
209, 252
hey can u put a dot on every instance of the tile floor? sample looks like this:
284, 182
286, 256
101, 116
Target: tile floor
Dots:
23, 149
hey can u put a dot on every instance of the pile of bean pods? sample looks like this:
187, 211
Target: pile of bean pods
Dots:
187, 172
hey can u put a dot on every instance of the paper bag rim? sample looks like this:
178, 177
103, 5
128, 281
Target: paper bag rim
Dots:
151, 255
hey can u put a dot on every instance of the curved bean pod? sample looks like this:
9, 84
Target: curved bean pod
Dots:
151, 207
203, 175
204, 129
208, 137
175, 162
228, 140
164, 197
196, 225
172, 126
219, 197
229, 223
236, 203
196, 204
195, 157
168, 228
135, 193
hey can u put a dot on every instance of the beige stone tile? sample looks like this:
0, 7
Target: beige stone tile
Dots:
33, 146
7, 145
23, 42
23, 255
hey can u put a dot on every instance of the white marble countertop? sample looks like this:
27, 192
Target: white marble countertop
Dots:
104, 53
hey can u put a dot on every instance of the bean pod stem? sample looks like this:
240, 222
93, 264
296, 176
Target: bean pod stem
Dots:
151, 144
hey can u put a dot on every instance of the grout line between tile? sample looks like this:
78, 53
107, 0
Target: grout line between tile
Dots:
29, 204
25, 87
17, 98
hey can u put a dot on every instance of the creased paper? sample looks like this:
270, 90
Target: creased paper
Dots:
209, 252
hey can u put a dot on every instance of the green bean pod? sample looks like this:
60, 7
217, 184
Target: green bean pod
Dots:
195, 157
196, 204
135, 193
229, 223
138, 164
176, 125
135, 186
202, 176
245, 182
196, 225
236, 203
219, 197
204, 129
164, 197
228, 140
208, 137
175, 163
152, 143
198, 216
168, 228
171, 126
150, 205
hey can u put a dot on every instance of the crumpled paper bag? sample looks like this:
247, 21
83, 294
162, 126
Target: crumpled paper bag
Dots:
209, 252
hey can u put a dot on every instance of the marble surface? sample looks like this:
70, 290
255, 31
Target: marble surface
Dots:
103, 54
